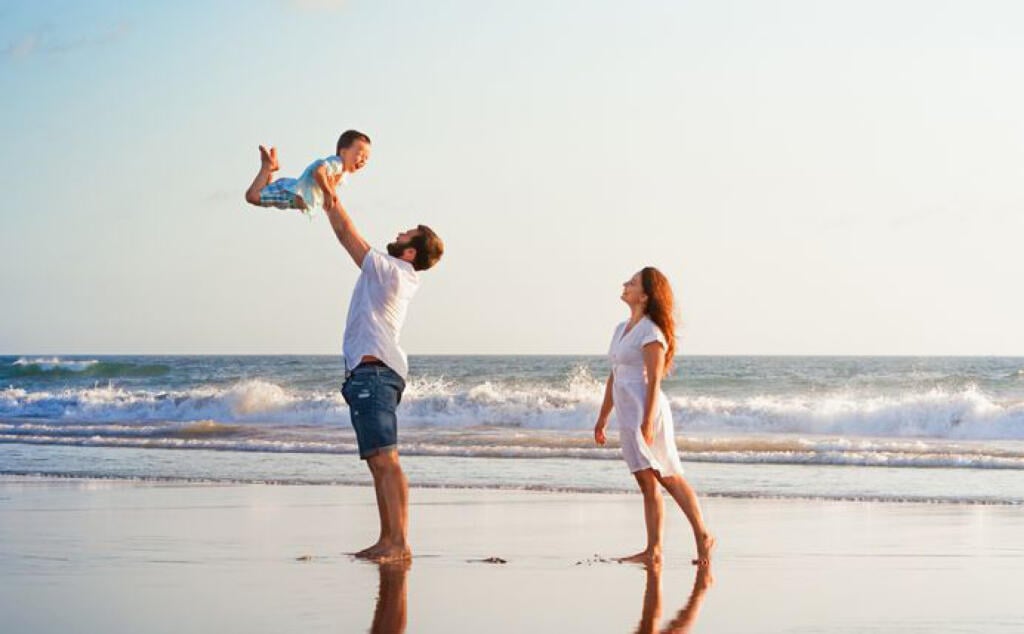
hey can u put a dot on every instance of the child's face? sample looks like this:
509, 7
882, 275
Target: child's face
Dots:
355, 156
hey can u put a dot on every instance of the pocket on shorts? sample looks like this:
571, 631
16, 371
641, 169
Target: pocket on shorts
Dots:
359, 391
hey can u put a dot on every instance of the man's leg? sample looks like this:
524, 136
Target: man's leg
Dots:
393, 505
378, 489
268, 165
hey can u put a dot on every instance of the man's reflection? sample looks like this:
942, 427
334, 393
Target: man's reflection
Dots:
686, 616
390, 614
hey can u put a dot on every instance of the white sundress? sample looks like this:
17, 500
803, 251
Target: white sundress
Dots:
629, 392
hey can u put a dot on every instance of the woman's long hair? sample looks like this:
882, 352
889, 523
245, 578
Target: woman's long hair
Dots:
660, 308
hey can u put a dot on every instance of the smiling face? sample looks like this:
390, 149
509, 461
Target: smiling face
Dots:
633, 291
355, 155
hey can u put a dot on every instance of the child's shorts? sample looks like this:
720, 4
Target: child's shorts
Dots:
281, 194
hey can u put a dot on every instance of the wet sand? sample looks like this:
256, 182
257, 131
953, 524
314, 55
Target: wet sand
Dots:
124, 556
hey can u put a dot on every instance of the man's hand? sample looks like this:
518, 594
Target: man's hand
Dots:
599, 436
330, 201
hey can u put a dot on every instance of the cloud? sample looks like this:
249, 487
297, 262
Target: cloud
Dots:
23, 47
222, 195
40, 43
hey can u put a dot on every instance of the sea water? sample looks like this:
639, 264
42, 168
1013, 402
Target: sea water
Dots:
947, 429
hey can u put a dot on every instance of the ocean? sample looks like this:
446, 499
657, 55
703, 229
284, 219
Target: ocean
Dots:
896, 429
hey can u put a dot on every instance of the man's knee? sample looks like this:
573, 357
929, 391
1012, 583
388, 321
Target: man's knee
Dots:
385, 462
252, 197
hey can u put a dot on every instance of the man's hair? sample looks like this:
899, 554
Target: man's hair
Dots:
429, 248
348, 137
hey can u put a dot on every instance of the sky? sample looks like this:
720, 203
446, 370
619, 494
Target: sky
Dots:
815, 178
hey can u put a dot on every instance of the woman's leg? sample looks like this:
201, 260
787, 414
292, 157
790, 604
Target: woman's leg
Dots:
653, 516
683, 494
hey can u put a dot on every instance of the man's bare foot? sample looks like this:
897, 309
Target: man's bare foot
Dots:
268, 158
647, 557
391, 553
368, 550
704, 548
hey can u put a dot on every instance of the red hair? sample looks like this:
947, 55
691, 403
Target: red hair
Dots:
660, 307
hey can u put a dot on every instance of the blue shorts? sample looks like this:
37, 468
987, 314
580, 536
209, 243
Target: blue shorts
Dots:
281, 194
373, 393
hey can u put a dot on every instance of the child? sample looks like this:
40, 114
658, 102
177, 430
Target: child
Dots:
317, 184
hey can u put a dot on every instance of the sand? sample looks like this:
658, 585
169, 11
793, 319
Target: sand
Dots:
125, 556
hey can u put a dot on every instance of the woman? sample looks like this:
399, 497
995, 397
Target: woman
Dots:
641, 352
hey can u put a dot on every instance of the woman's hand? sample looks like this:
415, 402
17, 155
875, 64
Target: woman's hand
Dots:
647, 429
599, 436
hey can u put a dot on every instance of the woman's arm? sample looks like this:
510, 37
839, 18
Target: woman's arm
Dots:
606, 409
654, 363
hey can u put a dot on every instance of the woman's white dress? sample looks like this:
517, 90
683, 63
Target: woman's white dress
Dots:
629, 393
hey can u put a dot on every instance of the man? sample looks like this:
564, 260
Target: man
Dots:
376, 367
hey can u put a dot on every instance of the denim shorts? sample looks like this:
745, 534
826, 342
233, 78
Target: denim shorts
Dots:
373, 393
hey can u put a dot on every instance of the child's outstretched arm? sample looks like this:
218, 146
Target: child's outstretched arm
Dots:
326, 186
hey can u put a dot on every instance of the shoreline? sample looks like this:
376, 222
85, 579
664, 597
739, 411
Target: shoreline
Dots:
898, 485
168, 480
266, 558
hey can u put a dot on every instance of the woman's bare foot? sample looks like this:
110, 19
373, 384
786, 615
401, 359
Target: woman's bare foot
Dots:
646, 557
704, 579
268, 158
704, 548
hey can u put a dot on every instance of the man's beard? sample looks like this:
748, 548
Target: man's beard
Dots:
396, 249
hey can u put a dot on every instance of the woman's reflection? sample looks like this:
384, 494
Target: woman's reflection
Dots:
390, 615
686, 616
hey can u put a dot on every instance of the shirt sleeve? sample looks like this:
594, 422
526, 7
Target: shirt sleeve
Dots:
335, 166
653, 333
380, 269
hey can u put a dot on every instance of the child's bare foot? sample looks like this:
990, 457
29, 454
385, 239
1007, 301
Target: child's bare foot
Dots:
647, 557
704, 547
268, 158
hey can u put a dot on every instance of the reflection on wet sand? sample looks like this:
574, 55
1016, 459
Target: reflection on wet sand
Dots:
686, 616
389, 616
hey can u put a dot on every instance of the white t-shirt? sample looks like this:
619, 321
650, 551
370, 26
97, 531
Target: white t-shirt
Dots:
377, 311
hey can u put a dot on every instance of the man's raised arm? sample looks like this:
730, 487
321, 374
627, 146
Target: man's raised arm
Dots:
347, 233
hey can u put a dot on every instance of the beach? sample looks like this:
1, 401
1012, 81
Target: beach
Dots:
91, 555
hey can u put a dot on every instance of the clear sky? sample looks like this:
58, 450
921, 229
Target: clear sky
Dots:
814, 177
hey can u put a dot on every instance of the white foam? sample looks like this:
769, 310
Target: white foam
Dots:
48, 364
572, 404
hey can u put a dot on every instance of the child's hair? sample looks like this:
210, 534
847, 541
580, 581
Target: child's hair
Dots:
348, 137
429, 248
